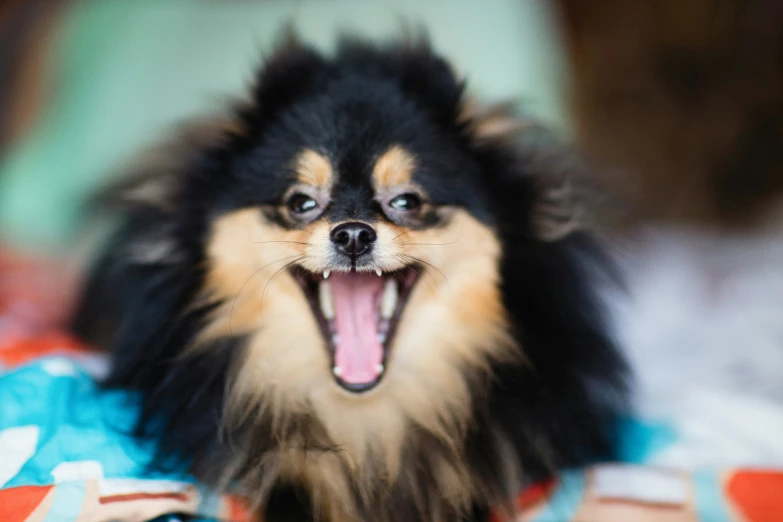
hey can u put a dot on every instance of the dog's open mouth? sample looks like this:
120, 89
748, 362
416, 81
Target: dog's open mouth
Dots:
358, 313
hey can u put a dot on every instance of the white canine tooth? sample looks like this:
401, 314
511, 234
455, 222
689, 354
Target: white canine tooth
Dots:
378, 271
326, 299
379, 368
389, 299
326, 274
381, 337
337, 371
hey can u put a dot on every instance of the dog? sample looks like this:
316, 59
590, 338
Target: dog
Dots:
359, 295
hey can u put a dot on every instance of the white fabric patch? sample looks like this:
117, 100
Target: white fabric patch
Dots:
113, 487
650, 485
58, 367
77, 471
17, 446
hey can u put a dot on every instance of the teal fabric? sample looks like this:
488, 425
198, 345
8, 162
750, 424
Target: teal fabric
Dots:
53, 415
709, 500
67, 502
566, 499
76, 421
642, 438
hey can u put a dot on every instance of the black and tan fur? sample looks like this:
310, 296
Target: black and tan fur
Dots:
501, 369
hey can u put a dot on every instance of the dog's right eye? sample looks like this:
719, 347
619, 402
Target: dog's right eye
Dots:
301, 203
406, 203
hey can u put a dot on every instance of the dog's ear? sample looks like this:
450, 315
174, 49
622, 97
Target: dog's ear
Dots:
551, 172
555, 211
150, 181
292, 71
421, 75
492, 124
429, 79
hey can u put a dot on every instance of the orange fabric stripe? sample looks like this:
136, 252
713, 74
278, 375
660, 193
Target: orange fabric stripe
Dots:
16, 504
757, 494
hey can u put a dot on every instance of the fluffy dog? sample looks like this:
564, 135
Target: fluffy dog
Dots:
358, 296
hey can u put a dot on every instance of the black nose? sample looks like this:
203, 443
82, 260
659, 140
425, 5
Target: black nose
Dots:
353, 239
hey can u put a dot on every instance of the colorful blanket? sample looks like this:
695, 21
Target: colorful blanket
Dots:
66, 455
65, 449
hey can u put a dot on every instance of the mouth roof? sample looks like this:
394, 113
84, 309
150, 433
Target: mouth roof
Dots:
358, 313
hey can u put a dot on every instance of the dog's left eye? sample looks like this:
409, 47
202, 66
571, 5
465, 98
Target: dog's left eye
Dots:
406, 202
301, 203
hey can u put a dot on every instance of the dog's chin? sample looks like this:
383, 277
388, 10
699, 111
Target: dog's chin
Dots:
358, 313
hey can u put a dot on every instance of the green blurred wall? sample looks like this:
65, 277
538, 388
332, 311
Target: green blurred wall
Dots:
127, 70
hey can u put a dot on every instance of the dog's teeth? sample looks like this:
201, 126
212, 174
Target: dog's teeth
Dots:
337, 371
326, 299
379, 368
326, 274
378, 272
389, 299
381, 338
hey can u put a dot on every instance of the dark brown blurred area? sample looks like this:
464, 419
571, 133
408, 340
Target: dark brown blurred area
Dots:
681, 102
26, 28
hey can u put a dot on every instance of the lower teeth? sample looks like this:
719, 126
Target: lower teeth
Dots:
389, 298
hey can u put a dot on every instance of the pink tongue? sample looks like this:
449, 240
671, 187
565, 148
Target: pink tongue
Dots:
358, 353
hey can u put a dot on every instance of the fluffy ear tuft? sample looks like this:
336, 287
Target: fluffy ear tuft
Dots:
555, 213
291, 72
568, 193
149, 183
420, 73
555, 171
560, 179
495, 123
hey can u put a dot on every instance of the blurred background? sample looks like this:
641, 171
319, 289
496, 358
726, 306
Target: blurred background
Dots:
678, 105
93, 81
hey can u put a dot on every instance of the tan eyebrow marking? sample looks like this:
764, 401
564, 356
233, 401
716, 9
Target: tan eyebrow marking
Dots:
394, 167
314, 169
